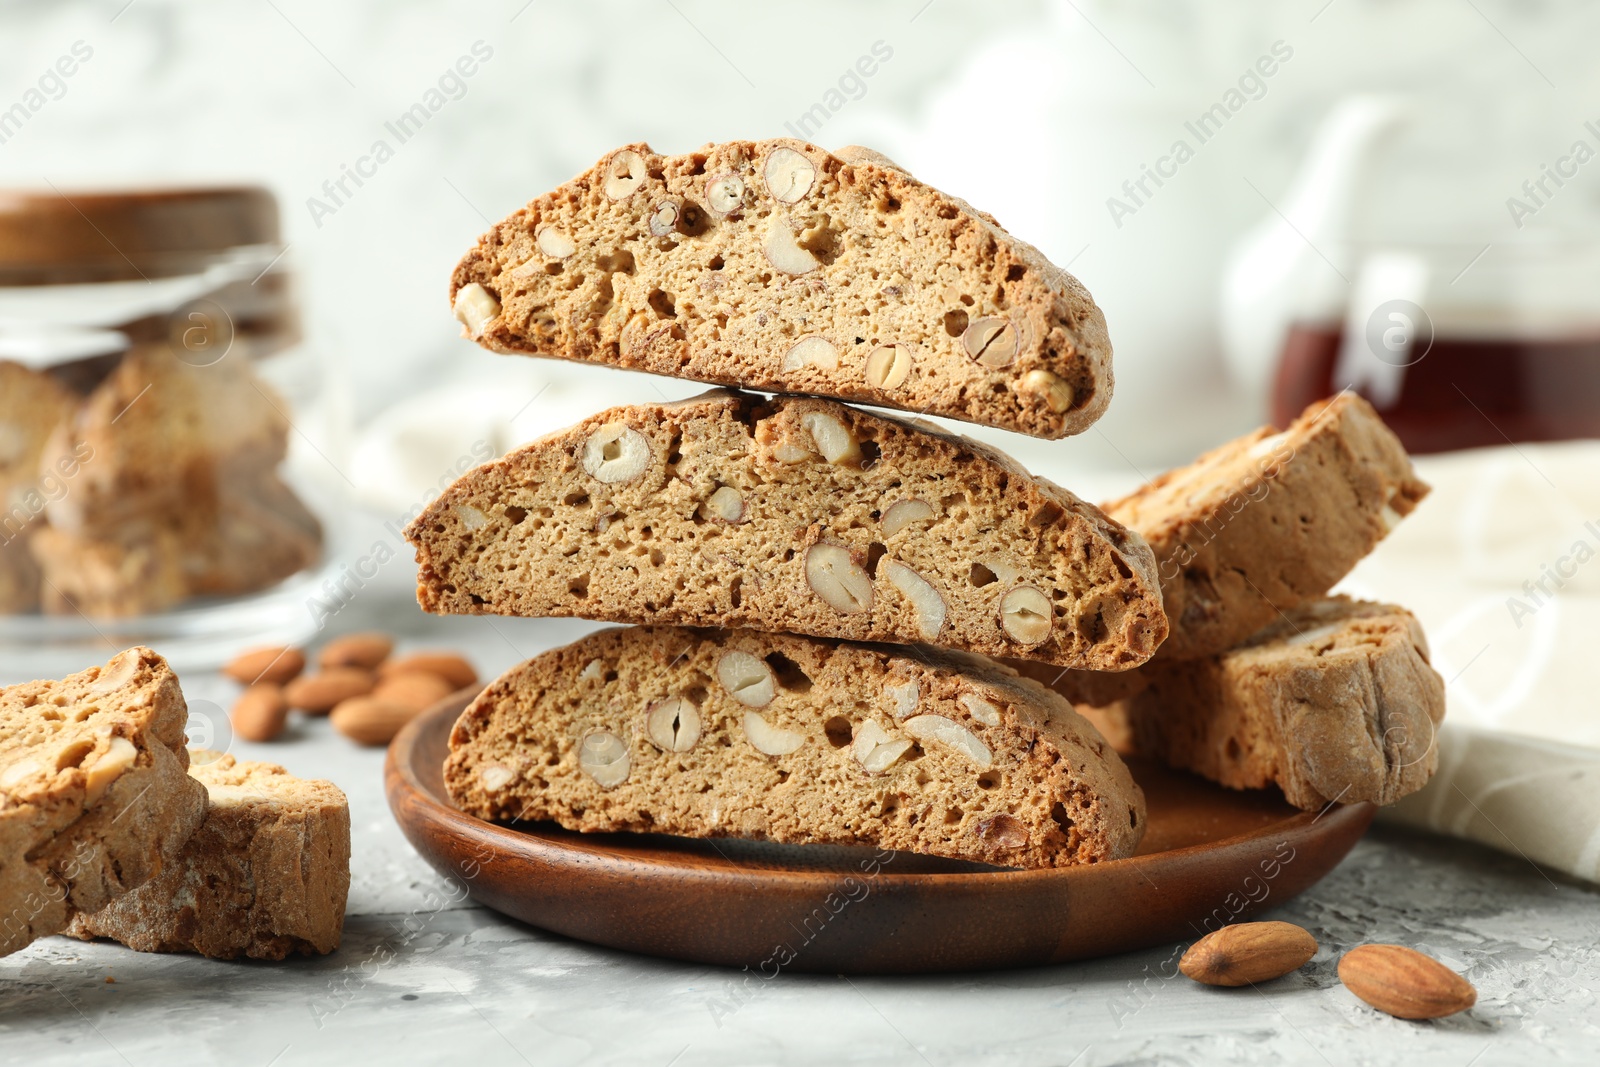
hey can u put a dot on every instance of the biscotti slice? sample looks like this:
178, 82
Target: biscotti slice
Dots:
709, 733
1335, 701
31, 406
1270, 520
265, 875
159, 433
258, 535
794, 515
19, 576
776, 265
94, 794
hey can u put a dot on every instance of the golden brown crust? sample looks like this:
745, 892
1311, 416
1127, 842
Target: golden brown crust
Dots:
265, 875
94, 797
950, 755
1270, 520
881, 259
536, 533
1334, 702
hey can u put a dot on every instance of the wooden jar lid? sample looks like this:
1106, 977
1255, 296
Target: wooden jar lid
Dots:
64, 237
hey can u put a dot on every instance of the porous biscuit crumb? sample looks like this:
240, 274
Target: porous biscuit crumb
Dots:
707, 733
796, 515
265, 875
1270, 520
94, 798
776, 265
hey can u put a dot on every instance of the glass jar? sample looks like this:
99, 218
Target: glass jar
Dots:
169, 447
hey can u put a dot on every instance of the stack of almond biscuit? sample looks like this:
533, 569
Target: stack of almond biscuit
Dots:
825, 597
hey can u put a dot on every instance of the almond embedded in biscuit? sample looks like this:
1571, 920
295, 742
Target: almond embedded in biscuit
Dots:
708, 733
849, 525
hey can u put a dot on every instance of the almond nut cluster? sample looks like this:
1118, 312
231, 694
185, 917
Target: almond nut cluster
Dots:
1396, 980
366, 693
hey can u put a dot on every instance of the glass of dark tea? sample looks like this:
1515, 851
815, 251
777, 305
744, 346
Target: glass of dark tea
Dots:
1459, 346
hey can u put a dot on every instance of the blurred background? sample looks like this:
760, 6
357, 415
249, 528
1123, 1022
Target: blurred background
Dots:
1342, 125
1270, 201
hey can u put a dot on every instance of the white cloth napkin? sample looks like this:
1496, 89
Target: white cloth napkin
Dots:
1502, 565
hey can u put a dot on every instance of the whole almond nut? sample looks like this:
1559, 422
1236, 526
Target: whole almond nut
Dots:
417, 690
951, 733
833, 438
725, 505
812, 351
991, 341
1247, 953
747, 678
625, 172
663, 218
876, 749
770, 740
673, 725
1405, 983
725, 193
604, 757
903, 513
615, 453
274, 664
1055, 390
789, 175
888, 366
784, 251
554, 243
356, 650
260, 712
369, 721
1026, 615
447, 665
834, 574
117, 673
317, 694
475, 307
923, 597
120, 754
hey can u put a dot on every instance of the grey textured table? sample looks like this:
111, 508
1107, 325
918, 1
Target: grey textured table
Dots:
423, 977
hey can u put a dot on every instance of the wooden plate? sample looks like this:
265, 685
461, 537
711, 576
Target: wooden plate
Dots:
1209, 856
